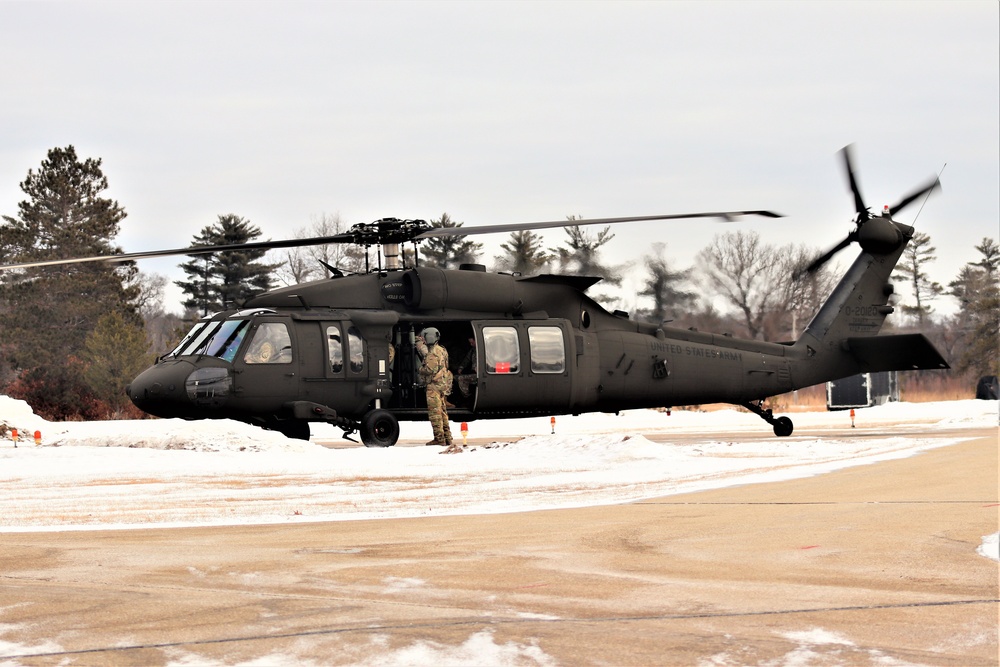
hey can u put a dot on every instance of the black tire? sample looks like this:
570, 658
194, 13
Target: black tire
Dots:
379, 428
783, 427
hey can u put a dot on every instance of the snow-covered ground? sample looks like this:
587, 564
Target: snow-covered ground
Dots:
127, 474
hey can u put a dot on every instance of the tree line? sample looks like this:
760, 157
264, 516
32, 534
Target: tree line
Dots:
73, 335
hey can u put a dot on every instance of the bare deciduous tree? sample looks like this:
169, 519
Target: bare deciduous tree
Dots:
759, 281
298, 265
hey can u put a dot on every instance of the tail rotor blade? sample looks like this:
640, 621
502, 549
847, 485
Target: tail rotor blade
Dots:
859, 202
915, 195
815, 265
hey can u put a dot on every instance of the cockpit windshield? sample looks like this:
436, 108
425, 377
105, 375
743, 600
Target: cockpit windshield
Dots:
227, 339
192, 338
217, 339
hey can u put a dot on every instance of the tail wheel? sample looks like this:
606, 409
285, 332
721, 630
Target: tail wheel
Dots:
379, 428
782, 427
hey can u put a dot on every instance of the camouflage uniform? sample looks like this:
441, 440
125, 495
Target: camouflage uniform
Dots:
434, 372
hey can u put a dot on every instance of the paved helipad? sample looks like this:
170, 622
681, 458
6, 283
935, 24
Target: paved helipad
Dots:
868, 565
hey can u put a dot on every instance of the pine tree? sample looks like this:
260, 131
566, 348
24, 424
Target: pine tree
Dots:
581, 254
115, 352
201, 284
977, 288
228, 278
449, 252
664, 286
525, 254
912, 268
49, 312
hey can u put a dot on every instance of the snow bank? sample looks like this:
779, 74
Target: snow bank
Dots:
120, 474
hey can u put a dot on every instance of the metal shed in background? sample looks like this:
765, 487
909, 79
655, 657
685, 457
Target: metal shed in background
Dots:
862, 391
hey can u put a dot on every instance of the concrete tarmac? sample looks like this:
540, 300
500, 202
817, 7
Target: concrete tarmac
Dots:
872, 565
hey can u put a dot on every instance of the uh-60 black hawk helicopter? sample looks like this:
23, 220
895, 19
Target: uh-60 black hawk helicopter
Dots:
342, 350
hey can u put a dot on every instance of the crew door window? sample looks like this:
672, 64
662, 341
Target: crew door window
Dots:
548, 353
503, 353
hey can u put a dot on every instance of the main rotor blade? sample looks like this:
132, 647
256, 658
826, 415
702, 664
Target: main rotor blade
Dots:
913, 196
193, 250
388, 230
439, 232
859, 202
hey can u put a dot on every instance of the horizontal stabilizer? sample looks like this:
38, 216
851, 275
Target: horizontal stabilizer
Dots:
580, 283
902, 352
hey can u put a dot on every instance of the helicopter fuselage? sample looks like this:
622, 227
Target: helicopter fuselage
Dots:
542, 347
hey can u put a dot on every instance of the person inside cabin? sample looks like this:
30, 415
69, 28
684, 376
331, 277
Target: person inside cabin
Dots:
465, 372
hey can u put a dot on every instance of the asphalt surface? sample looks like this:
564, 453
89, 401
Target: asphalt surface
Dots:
873, 565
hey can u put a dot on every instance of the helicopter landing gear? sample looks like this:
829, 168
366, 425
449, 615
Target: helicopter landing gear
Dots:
379, 428
782, 425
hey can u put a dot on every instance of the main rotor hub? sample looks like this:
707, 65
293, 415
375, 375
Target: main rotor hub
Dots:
387, 230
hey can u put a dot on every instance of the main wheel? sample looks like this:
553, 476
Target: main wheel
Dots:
783, 427
379, 428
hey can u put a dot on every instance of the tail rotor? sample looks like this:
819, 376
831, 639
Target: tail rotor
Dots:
876, 234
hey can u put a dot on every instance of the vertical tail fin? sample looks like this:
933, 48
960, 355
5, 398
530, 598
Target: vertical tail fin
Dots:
841, 339
859, 304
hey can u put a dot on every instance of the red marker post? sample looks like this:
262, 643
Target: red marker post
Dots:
13, 436
552, 422
852, 417
465, 433
38, 438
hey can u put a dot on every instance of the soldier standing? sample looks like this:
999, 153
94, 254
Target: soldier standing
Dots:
437, 380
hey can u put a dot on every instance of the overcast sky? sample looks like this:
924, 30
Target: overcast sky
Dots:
512, 112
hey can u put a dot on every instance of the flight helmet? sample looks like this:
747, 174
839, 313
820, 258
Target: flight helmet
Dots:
430, 335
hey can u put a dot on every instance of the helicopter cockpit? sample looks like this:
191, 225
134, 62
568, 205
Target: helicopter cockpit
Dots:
222, 338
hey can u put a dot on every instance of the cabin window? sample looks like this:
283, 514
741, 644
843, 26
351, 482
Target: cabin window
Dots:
271, 344
503, 353
355, 345
335, 345
548, 353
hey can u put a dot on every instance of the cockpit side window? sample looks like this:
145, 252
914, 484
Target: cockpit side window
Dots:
355, 345
271, 344
335, 345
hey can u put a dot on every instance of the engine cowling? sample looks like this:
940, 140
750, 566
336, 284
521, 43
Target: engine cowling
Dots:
476, 291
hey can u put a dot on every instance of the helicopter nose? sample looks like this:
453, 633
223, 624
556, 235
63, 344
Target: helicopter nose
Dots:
159, 390
180, 388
